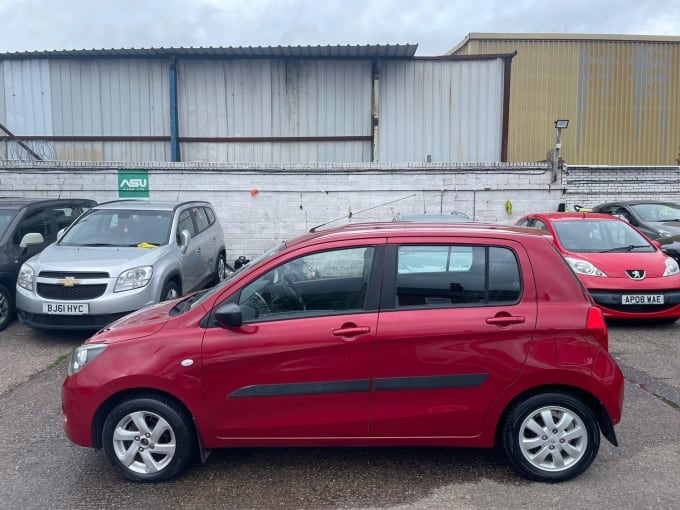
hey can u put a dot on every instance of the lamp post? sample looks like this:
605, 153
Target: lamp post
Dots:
560, 124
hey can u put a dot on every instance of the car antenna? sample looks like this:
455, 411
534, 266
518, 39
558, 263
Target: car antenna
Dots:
313, 229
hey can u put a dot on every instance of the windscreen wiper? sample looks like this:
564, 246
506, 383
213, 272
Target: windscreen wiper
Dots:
629, 247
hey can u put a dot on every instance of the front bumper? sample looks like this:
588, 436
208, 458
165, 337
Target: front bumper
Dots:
106, 307
611, 303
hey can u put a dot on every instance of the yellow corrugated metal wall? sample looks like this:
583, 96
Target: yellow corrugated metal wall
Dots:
622, 99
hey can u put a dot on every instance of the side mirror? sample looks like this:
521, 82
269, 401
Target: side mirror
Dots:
31, 239
657, 244
229, 315
184, 238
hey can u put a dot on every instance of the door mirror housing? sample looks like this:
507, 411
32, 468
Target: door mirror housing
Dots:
31, 239
229, 315
184, 238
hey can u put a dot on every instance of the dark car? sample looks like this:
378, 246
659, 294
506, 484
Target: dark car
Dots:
22, 216
659, 221
380, 334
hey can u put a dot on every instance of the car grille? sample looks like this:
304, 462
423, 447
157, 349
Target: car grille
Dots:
75, 293
78, 276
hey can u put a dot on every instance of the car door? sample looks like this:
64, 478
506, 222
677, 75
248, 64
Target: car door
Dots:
300, 364
455, 324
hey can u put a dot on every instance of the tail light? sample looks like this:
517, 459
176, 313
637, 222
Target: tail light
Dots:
597, 327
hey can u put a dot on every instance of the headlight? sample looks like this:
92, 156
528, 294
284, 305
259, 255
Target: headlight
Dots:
663, 233
26, 277
671, 267
584, 267
83, 355
134, 278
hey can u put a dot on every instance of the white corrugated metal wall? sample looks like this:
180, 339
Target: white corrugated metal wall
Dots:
123, 98
447, 110
257, 110
275, 99
28, 97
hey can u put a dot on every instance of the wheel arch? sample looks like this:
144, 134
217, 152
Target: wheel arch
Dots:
172, 276
599, 411
106, 407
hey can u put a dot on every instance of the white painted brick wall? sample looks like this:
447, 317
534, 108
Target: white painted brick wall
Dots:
291, 199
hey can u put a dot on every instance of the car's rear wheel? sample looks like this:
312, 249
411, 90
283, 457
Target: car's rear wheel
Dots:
170, 291
6, 307
148, 439
551, 437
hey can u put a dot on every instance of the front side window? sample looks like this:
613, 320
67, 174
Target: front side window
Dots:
434, 276
34, 222
6, 217
325, 283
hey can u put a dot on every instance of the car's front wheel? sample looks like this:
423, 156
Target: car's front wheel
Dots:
551, 437
148, 439
6, 307
170, 291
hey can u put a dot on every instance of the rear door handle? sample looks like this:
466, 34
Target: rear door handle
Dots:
350, 331
506, 320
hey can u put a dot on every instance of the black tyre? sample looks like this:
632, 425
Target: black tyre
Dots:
148, 439
6, 307
222, 269
551, 437
170, 291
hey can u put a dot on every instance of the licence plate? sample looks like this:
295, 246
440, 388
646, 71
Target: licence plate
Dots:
66, 308
642, 299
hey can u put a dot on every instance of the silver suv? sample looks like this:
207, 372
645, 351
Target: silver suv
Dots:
119, 257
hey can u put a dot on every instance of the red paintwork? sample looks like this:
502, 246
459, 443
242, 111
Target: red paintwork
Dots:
551, 348
614, 265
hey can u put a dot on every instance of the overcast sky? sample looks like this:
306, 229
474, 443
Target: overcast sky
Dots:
435, 25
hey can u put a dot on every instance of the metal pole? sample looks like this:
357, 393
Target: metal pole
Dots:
556, 153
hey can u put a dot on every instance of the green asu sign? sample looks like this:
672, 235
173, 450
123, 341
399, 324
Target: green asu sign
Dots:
133, 183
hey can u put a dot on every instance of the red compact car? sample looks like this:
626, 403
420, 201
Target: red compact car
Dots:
627, 275
366, 335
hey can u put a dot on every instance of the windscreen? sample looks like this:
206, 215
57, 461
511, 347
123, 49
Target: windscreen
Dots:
111, 227
600, 236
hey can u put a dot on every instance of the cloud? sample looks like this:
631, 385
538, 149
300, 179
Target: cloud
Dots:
436, 25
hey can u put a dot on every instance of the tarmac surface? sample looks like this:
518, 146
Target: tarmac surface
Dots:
40, 468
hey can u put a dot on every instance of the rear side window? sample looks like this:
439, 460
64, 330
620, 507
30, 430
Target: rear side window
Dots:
201, 218
435, 276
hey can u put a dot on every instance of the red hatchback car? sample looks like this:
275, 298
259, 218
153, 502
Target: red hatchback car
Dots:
627, 275
366, 335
